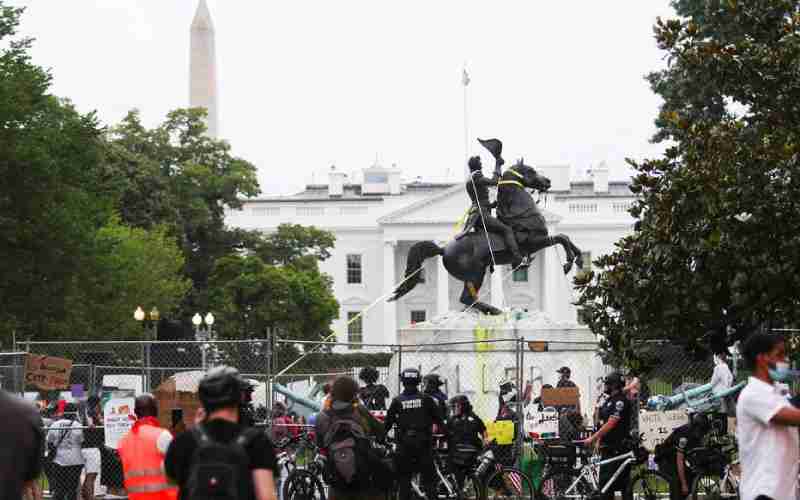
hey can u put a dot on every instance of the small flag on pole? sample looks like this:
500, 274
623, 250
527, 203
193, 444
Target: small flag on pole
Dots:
465, 77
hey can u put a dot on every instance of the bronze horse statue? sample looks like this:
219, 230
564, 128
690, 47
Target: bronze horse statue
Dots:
468, 258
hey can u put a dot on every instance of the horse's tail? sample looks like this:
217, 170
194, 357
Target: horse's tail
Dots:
416, 256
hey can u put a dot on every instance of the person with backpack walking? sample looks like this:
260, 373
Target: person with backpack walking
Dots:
414, 413
220, 458
345, 431
142, 453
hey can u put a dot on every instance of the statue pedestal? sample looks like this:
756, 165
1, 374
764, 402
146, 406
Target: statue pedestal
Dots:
473, 352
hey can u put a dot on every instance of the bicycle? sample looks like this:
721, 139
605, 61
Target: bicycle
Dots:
303, 482
717, 472
570, 482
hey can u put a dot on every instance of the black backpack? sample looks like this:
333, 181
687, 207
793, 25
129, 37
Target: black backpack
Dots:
348, 452
219, 471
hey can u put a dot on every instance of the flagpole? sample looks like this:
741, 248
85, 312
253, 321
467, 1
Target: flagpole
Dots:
465, 82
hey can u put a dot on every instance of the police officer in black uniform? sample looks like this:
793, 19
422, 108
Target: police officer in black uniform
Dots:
478, 190
414, 413
671, 454
432, 386
614, 433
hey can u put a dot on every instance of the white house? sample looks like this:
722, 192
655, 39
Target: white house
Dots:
376, 217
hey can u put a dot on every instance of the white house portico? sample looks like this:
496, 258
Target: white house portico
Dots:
376, 218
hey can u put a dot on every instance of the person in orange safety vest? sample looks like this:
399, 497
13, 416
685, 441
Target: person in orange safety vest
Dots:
142, 452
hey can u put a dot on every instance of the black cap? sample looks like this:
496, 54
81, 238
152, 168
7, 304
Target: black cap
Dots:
614, 379
564, 370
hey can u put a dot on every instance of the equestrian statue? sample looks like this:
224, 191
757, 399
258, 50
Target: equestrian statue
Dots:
518, 230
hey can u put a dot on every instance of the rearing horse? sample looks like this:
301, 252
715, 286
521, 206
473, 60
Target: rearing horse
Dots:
468, 258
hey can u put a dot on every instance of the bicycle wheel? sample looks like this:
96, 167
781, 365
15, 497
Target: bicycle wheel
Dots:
560, 485
509, 483
711, 486
303, 485
650, 485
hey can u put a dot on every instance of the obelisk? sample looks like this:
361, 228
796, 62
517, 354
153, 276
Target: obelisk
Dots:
203, 66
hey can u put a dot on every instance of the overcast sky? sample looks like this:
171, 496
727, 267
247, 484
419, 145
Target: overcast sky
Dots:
307, 84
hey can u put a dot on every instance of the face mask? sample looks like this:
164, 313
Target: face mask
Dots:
509, 396
780, 372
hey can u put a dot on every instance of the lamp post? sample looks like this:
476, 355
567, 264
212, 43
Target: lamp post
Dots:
150, 324
203, 335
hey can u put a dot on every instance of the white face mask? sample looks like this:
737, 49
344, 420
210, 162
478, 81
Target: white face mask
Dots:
509, 396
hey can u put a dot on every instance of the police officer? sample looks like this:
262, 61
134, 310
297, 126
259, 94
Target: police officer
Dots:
671, 454
615, 421
414, 413
432, 387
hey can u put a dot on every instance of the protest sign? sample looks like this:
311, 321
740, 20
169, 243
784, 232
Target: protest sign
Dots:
502, 431
657, 425
544, 424
117, 419
562, 396
47, 372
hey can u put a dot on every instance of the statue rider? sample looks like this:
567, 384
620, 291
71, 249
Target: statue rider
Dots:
478, 191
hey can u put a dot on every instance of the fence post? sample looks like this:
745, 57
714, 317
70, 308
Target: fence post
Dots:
268, 367
520, 353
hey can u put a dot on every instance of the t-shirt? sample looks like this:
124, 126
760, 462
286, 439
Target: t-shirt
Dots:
768, 452
721, 379
21, 449
177, 463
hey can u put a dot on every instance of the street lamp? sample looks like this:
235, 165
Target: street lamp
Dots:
202, 335
148, 320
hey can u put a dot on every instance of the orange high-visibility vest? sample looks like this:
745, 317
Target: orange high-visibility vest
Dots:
142, 464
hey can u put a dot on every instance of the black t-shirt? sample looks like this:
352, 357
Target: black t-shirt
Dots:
616, 406
374, 397
259, 449
466, 430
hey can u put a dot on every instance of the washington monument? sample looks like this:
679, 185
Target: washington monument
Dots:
203, 66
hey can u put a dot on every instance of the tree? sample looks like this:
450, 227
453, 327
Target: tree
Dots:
292, 241
55, 194
715, 250
175, 175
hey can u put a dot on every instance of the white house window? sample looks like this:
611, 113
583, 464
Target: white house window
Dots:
520, 275
355, 329
267, 211
310, 211
353, 268
418, 316
376, 178
583, 315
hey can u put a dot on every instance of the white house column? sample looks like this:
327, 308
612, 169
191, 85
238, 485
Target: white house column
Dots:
389, 308
498, 295
442, 287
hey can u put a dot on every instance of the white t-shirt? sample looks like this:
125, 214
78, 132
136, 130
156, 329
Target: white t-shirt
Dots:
768, 452
721, 379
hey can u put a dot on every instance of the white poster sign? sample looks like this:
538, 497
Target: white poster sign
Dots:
657, 425
544, 423
118, 419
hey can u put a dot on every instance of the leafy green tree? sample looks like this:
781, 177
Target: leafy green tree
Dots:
293, 241
715, 246
175, 175
55, 194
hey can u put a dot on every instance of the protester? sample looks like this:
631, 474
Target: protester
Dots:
670, 456
66, 437
22, 437
142, 452
414, 413
632, 388
220, 456
280, 423
93, 440
564, 378
615, 417
721, 380
344, 426
247, 414
766, 424
373, 395
466, 434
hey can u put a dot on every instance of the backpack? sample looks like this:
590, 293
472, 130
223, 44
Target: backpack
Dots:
219, 471
348, 452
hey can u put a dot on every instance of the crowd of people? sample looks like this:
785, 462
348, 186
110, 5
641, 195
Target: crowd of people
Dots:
224, 455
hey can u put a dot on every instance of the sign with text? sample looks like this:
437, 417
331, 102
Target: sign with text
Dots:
657, 425
502, 431
542, 423
563, 396
117, 419
47, 372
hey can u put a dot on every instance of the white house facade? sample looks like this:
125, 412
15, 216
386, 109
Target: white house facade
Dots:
376, 217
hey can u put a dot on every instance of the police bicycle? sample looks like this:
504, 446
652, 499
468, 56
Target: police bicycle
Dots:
717, 471
569, 482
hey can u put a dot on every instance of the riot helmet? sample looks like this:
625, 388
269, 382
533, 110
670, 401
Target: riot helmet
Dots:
410, 377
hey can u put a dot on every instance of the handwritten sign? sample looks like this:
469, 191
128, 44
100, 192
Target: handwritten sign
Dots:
563, 396
543, 424
47, 373
657, 425
117, 419
502, 431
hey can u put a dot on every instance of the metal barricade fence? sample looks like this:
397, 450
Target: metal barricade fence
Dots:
12, 371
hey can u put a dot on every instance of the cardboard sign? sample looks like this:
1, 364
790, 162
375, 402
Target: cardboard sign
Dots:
117, 420
657, 425
47, 373
502, 431
544, 423
564, 396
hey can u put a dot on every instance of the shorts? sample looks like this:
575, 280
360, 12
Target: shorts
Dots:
91, 458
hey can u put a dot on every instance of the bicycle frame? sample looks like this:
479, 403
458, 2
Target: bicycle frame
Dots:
588, 472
